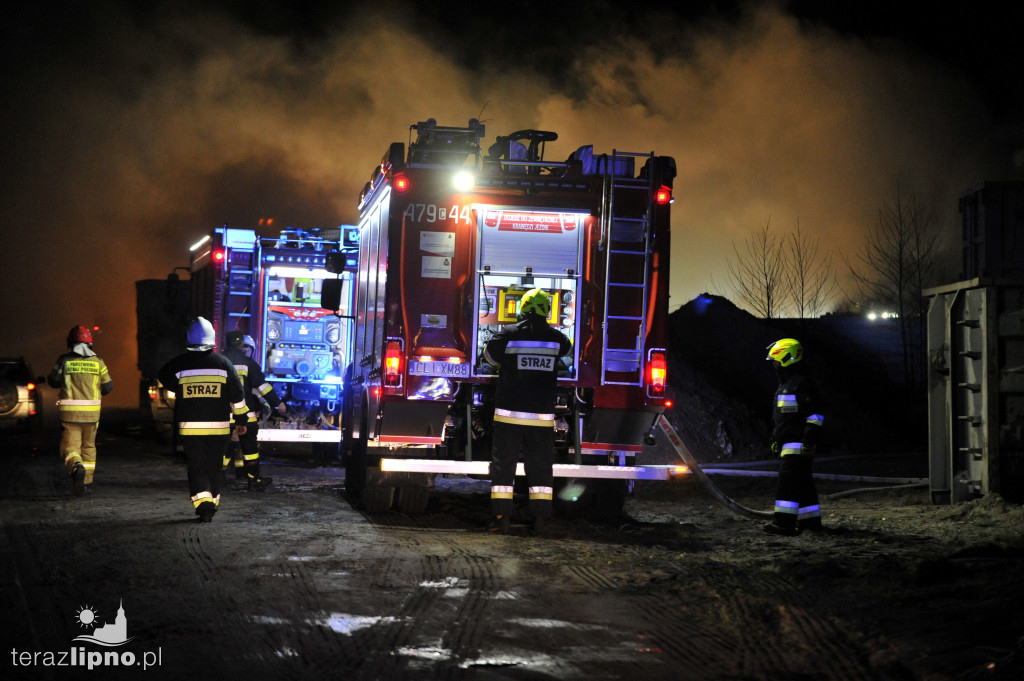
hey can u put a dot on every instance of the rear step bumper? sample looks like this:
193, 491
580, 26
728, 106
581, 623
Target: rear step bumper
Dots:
560, 470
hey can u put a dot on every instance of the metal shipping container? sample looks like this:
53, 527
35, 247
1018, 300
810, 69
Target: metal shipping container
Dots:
976, 390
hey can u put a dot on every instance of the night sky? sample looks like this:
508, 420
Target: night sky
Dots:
130, 129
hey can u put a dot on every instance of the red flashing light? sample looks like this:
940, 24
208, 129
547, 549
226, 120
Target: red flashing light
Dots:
401, 183
31, 387
218, 255
663, 195
657, 372
393, 364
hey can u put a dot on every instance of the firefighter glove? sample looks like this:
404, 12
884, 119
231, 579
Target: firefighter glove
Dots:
775, 447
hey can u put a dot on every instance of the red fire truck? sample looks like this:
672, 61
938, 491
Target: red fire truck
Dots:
269, 287
449, 240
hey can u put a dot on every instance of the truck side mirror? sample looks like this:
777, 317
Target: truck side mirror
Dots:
330, 294
335, 262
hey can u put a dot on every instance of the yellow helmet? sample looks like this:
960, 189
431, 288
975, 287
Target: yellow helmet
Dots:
537, 301
785, 351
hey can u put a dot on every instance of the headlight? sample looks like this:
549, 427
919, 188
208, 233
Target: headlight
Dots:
463, 181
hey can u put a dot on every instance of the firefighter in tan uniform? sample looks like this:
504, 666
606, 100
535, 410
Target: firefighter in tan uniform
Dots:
524, 404
207, 394
83, 380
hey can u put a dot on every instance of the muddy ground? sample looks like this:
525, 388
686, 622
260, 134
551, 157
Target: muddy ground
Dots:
297, 584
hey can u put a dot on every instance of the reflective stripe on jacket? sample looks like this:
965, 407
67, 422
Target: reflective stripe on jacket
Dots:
797, 421
208, 392
82, 382
527, 354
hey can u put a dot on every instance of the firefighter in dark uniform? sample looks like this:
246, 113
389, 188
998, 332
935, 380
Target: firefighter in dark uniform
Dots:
207, 393
795, 437
83, 380
527, 355
256, 388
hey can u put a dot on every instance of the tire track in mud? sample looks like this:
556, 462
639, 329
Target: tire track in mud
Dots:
319, 642
790, 634
439, 621
428, 580
223, 610
672, 633
697, 631
466, 634
305, 637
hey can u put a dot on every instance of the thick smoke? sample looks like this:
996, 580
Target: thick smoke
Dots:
145, 131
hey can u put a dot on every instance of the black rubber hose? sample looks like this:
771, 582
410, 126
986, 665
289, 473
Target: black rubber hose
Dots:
717, 493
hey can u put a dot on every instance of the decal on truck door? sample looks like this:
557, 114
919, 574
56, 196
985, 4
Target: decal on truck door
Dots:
438, 249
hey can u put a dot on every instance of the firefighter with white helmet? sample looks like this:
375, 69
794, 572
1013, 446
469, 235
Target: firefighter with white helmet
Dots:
240, 349
524, 403
797, 423
83, 379
208, 394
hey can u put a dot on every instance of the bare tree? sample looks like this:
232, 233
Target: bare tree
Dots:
812, 281
897, 260
758, 275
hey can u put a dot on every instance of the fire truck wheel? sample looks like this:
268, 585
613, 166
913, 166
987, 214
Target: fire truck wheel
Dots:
377, 497
413, 499
355, 470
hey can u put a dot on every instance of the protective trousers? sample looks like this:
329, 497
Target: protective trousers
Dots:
247, 454
203, 455
796, 502
78, 445
536, 444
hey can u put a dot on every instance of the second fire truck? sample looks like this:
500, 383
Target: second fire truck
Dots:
269, 287
450, 238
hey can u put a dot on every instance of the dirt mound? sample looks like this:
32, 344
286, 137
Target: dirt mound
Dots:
721, 384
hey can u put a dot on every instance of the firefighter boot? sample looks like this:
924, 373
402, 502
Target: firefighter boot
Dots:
205, 511
78, 478
260, 484
500, 524
811, 525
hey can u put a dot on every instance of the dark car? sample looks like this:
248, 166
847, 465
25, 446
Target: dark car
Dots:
20, 398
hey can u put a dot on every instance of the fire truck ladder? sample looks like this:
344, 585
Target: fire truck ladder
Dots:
626, 232
239, 288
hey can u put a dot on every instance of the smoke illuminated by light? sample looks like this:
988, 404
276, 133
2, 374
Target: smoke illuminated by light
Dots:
168, 126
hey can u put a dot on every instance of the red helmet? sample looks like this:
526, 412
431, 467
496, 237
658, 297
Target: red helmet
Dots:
79, 334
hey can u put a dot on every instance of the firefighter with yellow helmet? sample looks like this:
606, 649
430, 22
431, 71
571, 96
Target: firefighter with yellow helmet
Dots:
527, 355
83, 380
797, 421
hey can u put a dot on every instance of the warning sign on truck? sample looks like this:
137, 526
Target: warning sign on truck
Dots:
436, 267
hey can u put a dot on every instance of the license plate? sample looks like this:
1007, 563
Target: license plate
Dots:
435, 368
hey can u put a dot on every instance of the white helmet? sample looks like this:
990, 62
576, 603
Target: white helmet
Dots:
201, 335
